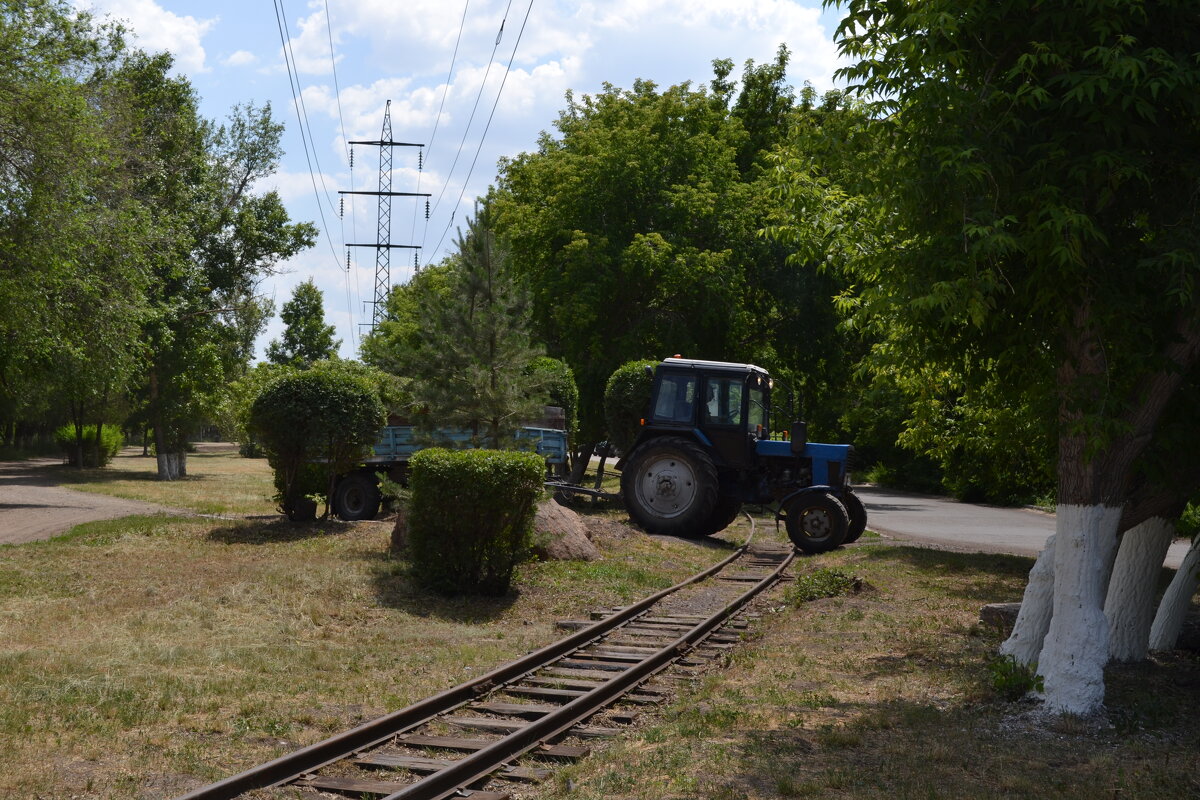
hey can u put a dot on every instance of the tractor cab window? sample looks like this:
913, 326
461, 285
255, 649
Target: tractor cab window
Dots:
723, 401
676, 398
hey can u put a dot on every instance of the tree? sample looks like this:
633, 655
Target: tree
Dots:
635, 229
471, 348
1032, 226
306, 337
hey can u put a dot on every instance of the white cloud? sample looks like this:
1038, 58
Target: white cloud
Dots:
241, 58
156, 29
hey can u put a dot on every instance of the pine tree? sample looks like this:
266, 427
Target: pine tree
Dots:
306, 337
472, 370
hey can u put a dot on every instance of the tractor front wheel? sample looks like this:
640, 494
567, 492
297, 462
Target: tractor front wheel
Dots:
816, 522
670, 487
858, 516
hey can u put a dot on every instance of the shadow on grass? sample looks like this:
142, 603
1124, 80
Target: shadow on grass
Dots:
273, 529
397, 586
986, 577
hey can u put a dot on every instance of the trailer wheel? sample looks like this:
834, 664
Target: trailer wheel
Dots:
857, 514
356, 497
670, 487
817, 522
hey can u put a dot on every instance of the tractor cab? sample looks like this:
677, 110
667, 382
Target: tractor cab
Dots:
725, 405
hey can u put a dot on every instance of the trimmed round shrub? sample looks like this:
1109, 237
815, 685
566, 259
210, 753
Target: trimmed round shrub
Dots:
328, 415
93, 456
626, 402
470, 517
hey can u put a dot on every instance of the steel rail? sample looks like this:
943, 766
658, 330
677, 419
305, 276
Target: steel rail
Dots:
292, 766
480, 764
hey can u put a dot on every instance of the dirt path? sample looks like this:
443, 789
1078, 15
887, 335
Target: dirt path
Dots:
34, 507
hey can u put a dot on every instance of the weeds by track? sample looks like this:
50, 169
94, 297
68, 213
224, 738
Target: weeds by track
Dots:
483, 737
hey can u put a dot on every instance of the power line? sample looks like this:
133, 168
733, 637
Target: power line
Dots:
293, 83
337, 91
474, 108
438, 119
488, 126
304, 109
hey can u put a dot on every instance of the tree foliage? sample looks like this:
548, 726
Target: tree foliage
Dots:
466, 345
306, 337
635, 229
131, 240
1030, 230
331, 416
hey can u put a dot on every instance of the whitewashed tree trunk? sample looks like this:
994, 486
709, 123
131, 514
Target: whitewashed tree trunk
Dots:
1033, 620
1129, 605
1168, 622
1076, 649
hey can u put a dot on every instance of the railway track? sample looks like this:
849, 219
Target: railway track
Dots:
484, 738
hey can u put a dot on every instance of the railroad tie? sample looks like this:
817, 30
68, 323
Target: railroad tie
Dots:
560, 752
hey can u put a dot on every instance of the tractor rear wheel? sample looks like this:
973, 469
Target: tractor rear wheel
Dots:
356, 497
725, 512
858, 516
816, 522
670, 487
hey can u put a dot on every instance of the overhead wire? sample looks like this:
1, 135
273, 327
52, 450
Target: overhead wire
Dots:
471, 118
337, 91
293, 82
491, 115
438, 119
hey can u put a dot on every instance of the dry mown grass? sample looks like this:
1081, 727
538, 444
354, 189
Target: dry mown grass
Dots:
142, 657
887, 694
218, 482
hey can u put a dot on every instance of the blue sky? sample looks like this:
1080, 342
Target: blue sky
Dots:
405, 52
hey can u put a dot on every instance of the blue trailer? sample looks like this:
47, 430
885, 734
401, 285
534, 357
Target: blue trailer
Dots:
356, 493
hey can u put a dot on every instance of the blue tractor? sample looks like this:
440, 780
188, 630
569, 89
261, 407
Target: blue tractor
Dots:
705, 448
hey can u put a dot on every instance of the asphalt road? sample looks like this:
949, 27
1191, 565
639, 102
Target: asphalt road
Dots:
965, 526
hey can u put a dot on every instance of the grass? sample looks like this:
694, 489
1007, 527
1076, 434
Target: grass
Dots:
220, 482
142, 657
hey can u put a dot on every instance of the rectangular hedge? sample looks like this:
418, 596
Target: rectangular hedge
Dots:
471, 517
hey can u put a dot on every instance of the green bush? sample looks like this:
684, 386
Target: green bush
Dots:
626, 400
558, 380
332, 415
470, 517
112, 443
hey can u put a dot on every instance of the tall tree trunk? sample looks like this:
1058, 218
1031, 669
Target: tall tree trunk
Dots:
1168, 622
1129, 605
1033, 620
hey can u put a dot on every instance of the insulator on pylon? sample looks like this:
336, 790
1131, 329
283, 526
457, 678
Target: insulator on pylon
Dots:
351, 158
426, 210
347, 259
420, 160
416, 260
341, 208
